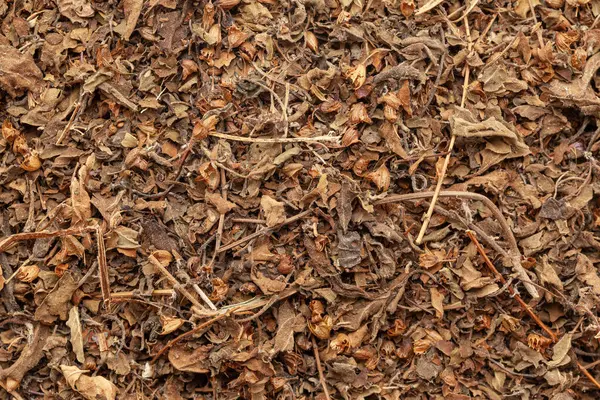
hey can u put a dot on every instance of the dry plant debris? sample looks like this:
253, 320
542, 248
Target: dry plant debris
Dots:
324, 199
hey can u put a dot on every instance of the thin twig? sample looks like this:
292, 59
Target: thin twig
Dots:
186, 334
326, 138
129, 295
320, 369
103, 267
176, 285
512, 292
19, 237
264, 231
442, 175
515, 254
221, 220
588, 375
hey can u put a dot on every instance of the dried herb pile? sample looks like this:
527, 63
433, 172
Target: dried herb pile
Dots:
299, 199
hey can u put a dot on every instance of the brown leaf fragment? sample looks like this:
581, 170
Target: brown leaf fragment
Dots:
389, 133
185, 358
267, 286
587, 273
133, 9
76, 10
74, 324
56, 303
273, 210
344, 206
18, 72
223, 206
91, 388
286, 325
349, 248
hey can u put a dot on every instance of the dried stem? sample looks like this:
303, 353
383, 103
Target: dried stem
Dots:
103, 267
19, 237
264, 231
442, 175
128, 295
512, 292
320, 369
188, 333
588, 375
275, 140
514, 255
177, 286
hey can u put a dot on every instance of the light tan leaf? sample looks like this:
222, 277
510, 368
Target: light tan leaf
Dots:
76, 337
80, 199
186, 359
223, 206
267, 285
132, 9
273, 210
437, 301
170, 324
91, 388
56, 303
18, 72
284, 338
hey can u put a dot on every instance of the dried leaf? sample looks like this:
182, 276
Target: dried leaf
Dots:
273, 210
91, 388
18, 72
56, 303
74, 324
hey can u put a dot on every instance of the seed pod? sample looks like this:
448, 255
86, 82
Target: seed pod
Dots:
358, 114
28, 273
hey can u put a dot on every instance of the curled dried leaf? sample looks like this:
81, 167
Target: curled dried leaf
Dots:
311, 41
163, 256
380, 177
220, 289
359, 113
170, 324
357, 75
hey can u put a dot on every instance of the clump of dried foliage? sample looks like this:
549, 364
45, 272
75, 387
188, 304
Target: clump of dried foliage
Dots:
299, 199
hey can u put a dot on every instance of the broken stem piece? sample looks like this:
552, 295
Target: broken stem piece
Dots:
103, 267
588, 375
264, 231
176, 285
19, 237
129, 295
320, 369
514, 254
326, 138
512, 292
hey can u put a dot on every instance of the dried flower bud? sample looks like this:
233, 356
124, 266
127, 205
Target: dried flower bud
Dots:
350, 136
317, 309
220, 289
28, 273
564, 40
11, 384
388, 348
340, 344
389, 113
538, 342
364, 353
248, 288
407, 7
579, 58
285, 265
380, 177
31, 162
397, 329
357, 75
358, 114
60, 269
405, 349
330, 106
322, 330
90, 363
372, 363
311, 41
9, 132
421, 346
208, 174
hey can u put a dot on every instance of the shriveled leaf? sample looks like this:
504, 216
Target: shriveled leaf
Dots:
91, 388
74, 323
